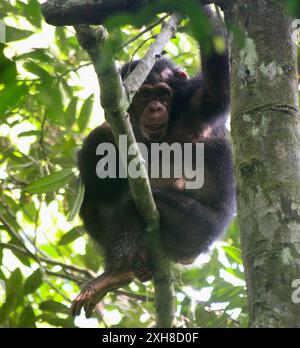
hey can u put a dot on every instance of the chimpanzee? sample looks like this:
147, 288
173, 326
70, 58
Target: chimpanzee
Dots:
168, 108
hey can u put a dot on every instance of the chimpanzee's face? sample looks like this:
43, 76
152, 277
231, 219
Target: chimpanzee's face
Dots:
150, 108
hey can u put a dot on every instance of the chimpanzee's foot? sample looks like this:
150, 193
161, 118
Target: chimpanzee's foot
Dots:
97, 289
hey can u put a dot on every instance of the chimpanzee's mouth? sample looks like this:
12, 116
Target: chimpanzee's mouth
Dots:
154, 127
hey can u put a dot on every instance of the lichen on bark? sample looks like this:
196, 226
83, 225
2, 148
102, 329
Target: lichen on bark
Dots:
265, 132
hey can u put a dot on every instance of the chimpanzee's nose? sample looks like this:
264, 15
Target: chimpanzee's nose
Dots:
155, 106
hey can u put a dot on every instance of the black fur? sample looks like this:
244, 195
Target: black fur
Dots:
190, 219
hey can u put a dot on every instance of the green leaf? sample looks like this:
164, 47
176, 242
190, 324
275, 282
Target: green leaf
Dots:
70, 113
186, 308
29, 133
225, 292
39, 54
27, 318
6, 308
11, 96
50, 97
55, 321
24, 259
78, 202
15, 281
92, 258
37, 70
293, 8
33, 11
85, 113
53, 306
70, 236
30, 211
66, 88
33, 282
7, 68
14, 34
209, 319
192, 274
14, 294
233, 233
50, 182
5, 7
236, 273
2, 275
61, 39
234, 253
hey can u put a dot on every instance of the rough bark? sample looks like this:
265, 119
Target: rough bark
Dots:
71, 12
265, 133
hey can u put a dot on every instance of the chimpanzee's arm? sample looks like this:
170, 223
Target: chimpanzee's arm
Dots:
215, 86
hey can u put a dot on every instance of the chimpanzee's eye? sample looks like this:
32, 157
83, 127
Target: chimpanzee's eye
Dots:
164, 93
145, 93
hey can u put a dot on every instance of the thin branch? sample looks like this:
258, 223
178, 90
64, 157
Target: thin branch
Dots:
21, 250
15, 233
135, 52
142, 70
73, 70
98, 309
72, 277
66, 298
42, 143
36, 223
142, 298
17, 182
149, 28
88, 275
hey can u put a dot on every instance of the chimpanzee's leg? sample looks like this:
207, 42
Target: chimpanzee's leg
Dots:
125, 256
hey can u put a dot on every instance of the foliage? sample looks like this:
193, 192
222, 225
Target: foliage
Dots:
294, 8
47, 108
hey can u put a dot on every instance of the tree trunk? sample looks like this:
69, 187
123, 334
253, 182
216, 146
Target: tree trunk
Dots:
265, 132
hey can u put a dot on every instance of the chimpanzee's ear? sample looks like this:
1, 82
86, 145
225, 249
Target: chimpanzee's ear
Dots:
181, 74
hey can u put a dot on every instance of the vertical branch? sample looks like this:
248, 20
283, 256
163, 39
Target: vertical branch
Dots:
115, 104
